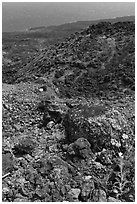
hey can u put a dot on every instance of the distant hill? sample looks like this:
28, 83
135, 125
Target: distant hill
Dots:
21, 43
79, 25
55, 34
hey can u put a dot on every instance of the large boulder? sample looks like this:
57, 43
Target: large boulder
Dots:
80, 148
101, 126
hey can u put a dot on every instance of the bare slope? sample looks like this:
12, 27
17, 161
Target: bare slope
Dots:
99, 59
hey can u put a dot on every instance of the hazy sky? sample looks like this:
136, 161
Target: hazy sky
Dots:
23, 15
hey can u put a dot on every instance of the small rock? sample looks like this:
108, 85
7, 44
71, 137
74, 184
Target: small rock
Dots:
111, 199
74, 192
50, 124
116, 143
87, 178
5, 190
7, 193
102, 196
65, 147
82, 143
87, 191
63, 190
41, 89
124, 136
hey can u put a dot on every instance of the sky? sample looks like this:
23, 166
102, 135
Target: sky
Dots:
19, 16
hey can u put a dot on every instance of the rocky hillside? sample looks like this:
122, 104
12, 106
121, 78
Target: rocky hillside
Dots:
95, 61
69, 121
